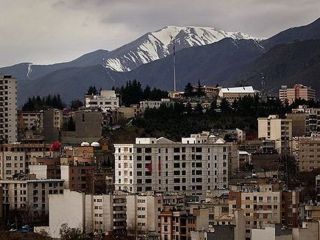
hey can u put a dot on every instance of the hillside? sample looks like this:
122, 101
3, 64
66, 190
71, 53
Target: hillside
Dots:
297, 62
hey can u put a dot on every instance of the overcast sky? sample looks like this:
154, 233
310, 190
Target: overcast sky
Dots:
48, 31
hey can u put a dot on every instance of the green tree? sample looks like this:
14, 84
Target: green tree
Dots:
188, 90
67, 233
200, 91
225, 106
92, 90
76, 104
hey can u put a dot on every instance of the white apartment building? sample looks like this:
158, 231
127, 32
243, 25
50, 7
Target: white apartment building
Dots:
195, 165
89, 213
8, 109
30, 195
106, 100
278, 130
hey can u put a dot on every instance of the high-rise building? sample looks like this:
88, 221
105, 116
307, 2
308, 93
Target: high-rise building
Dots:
8, 109
298, 91
278, 130
195, 165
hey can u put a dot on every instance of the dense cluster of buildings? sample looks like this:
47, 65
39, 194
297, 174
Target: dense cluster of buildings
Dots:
57, 169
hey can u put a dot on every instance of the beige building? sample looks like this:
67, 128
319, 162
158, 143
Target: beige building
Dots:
8, 109
261, 206
305, 121
106, 100
308, 231
195, 165
278, 130
153, 104
299, 124
52, 124
31, 120
88, 128
143, 214
312, 212
235, 93
307, 153
129, 112
30, 195
15, 158
298, 91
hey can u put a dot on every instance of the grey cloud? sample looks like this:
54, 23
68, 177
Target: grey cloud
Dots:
57, 30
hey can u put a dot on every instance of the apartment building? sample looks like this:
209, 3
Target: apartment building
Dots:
278, 130
308, 153
15, 158
31, 195
89, 213
106, 100
52, 124
143, 214
305, 121
298, 91
195, 165
309, 230
75, 176
129, 112
176, 224
30, 120
45, 168
290, 208
235, 93
8, 109
261, 205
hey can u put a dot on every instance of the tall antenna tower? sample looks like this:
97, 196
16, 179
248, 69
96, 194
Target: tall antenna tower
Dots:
174, 66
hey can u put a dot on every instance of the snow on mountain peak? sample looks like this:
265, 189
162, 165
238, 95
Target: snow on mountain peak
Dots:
159, 44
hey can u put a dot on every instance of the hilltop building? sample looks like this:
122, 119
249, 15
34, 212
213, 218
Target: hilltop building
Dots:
235, 93
106, 100
298, 91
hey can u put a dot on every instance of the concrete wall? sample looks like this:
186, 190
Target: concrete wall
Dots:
268, 233
67, 208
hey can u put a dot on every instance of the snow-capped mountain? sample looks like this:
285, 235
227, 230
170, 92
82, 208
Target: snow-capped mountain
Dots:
159, 44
